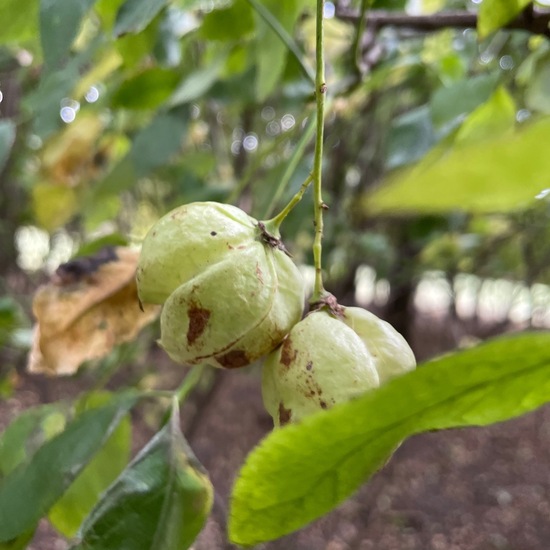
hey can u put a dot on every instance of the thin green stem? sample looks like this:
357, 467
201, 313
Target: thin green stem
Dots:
158, 394
189, 383
318, 204
359, 33
297, 155
281, 32
274, 223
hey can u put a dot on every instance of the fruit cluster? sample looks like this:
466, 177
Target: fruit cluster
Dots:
231, 295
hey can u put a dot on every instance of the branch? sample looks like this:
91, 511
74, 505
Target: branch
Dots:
531, 19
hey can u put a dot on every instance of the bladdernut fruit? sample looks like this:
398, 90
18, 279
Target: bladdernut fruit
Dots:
185, 242
329, 358
390, 352
230, 291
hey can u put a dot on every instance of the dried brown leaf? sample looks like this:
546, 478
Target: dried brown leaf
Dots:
89, 306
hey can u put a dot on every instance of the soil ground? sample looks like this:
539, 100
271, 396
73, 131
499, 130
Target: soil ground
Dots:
468, 489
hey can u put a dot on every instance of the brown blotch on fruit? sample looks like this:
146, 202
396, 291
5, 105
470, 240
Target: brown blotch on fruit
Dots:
198, 319
309, 365
288, 354
284, 415
323, 404
233, 359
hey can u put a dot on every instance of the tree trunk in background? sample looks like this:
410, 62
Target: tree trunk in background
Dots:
399, 310
11, 199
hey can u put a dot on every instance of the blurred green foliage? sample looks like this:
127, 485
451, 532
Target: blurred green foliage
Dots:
114, 111
126, 109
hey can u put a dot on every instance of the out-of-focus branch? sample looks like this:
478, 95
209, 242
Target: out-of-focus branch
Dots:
534, 20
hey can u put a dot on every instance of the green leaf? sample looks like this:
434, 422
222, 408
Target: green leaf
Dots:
146, 90
161, 501
152, 147
450, 104
410, 137
30, 490
303, 471
135, 15
155, 145
537, 94
27, 433
196, 84
497, 175
19, 543
233, 23
23, 20
271, 51
7, 139
493, 118
70, 511
135, 47
44, 102
90, 248
107, 11
494, 14
10, 320
59, 25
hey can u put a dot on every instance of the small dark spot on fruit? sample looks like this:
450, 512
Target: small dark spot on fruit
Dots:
213, 233
288, 354
323, 404
233, 359
198, 319
309, 365
284, 415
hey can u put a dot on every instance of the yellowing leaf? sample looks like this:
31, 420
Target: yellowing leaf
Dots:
90, 306
108, 63
53, 205
494, 14
68, 158
497, 116
500, 174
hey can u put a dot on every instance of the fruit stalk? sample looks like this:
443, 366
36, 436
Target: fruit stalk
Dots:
319, 205
273, 224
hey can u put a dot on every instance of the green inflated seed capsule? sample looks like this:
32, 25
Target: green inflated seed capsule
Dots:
330, 358
230, 292
320, 363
